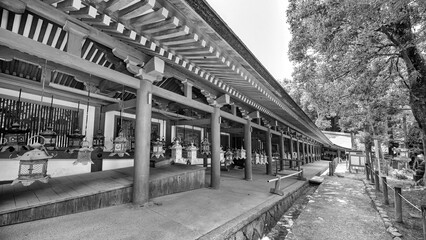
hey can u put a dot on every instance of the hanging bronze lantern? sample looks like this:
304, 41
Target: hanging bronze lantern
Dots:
50, 137
191, 151
99, 140
74, 141
205, 147
120, 145
157, 148
33, 165
15, 138
84, 154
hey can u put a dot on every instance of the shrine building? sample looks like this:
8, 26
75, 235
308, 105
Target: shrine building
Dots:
134, 99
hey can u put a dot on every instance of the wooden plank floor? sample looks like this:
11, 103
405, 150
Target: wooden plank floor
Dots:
16, 197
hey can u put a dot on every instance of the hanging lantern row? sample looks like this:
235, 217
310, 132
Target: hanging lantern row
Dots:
15, 137
259, 158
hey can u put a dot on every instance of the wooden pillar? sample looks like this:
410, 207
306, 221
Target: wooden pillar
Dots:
291, 152
143, 140
168, 132
187, 88
282, 152
269, 151
309, 153
153, 71
298, 151
304, 152
234, 110
215, 161
248, 172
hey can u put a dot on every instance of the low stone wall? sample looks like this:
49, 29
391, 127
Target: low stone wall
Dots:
258, 221
267, 219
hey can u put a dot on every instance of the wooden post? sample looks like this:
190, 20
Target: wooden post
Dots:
291, 152
282, 152
247, 144
298, 153
215, 161
423, 207
143, 141
398, 205
304, 152
330, 168
376, 176
269, 152
385, 190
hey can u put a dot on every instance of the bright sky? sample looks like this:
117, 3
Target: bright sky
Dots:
262, 26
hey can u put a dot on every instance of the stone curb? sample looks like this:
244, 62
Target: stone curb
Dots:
392, 230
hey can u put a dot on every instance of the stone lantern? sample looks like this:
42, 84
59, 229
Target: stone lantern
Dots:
243, 153
191, 151
177, 152
33, 165
221, 155
402, 158
229, 156
256, 157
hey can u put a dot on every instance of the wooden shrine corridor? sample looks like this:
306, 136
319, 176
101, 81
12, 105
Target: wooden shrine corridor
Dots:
82, 192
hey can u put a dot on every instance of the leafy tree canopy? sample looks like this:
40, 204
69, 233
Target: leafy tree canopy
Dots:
361, 60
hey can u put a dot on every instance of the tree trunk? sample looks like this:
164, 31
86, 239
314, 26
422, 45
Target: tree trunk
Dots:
424, 155
400, 33
369, 160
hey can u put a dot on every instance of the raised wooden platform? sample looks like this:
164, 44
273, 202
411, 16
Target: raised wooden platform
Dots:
83, 192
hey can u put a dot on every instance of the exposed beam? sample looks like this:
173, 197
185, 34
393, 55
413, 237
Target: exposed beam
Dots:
120, 106
49, 12
163, 93
15, 6
21, 43
196, 122
16, 83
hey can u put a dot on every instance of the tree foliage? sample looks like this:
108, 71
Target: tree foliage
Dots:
361, 60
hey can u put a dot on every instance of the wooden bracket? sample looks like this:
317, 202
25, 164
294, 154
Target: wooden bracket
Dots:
254, 114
